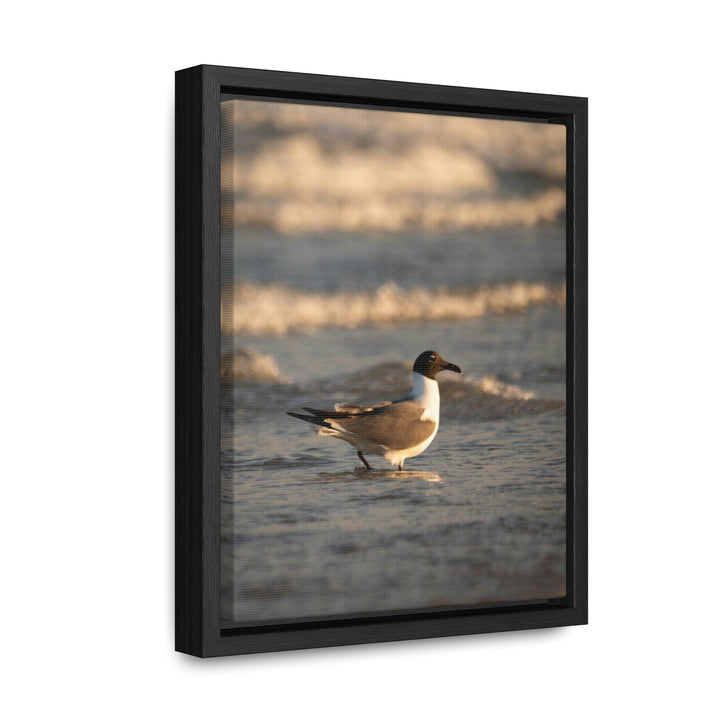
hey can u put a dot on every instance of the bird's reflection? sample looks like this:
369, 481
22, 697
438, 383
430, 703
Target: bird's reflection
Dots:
374, 476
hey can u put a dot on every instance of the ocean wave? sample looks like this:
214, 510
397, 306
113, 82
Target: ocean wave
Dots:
277, 309
537, 148
465, 396
382, 212
298, 168
247, 365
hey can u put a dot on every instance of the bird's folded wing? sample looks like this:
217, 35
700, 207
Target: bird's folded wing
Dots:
343, 410
396, 426
359, 409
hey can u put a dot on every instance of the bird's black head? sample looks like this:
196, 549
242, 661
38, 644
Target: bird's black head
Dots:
430, 363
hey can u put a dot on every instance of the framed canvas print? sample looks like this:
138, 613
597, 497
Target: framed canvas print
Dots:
381, 360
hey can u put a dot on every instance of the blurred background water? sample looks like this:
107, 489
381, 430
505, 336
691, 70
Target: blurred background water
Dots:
352, 241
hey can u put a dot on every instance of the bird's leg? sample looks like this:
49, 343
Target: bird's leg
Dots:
400, 465
364, 461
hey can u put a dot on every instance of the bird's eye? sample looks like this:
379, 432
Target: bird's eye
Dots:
432, 358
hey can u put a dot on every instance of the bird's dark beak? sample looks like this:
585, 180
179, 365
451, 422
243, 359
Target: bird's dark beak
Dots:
454, 368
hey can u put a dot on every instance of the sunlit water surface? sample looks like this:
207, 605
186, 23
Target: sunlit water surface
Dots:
478, 517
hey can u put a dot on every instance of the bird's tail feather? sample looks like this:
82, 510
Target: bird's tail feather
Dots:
315, 420
327, 413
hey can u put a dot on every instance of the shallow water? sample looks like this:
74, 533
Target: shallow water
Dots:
352, 241
479, 517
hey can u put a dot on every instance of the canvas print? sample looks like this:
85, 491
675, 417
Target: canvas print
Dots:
393, 366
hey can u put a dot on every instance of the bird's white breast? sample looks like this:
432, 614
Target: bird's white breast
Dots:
426, 392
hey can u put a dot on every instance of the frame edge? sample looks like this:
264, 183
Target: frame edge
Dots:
188, 363
197, 630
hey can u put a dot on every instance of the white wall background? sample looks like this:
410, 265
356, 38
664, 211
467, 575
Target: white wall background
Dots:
86, 398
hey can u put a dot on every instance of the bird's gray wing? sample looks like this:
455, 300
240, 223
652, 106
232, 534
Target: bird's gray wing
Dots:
396, 426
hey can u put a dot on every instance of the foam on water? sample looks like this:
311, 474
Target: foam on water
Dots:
247, 365
301, 168
260, 385
279, 309
383, 213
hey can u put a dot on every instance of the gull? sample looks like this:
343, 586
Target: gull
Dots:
394, 429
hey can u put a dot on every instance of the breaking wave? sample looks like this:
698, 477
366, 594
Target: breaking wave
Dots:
296, 168
278, 309
383, 213
246, 365
468, 396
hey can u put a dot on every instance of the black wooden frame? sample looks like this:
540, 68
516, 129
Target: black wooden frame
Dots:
197, 359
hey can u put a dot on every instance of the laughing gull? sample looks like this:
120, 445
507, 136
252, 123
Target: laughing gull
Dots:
394, 429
